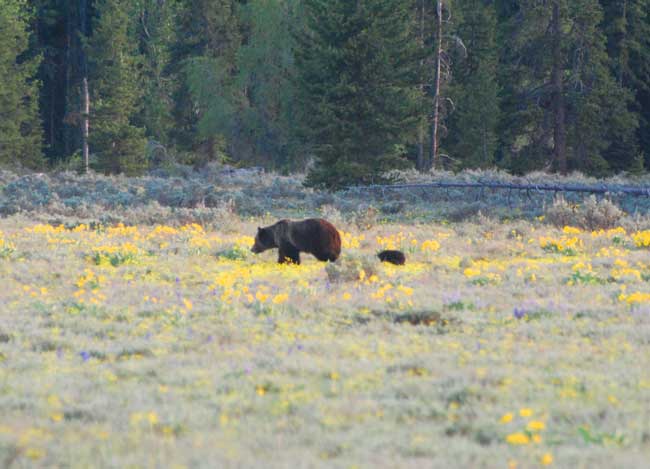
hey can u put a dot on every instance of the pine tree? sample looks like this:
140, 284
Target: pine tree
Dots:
116, 90
605, 125
422, 32
277, 82
156, 33
60, 28
626, 25
563, 109
438, 49
265, 66
531, 121
209, 37
474, 91
20, 126
438, 57
357, 68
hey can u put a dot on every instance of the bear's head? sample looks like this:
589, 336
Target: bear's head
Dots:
263, 240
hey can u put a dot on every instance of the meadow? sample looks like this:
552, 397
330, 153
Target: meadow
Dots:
501, 344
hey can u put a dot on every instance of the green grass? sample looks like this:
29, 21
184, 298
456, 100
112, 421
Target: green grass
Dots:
189, 351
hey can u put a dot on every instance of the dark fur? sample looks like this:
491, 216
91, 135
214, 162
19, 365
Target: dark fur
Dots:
314, 235
394, 257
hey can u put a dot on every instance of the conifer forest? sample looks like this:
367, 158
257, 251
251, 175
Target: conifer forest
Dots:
346, 89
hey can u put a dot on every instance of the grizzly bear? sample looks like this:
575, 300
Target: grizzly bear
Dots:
392, 256
314, 235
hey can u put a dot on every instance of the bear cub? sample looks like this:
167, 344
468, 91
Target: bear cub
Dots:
392, 256
314, 235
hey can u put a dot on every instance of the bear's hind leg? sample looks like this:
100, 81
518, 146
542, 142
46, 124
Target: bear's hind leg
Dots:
324, 257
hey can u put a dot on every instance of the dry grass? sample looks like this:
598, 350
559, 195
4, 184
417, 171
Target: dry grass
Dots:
497, 345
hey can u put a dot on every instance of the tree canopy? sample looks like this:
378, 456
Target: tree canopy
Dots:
348, 89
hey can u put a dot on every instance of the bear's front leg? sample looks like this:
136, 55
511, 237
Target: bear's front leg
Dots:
288, 254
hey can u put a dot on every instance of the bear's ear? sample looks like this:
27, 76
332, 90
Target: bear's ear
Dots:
263, 235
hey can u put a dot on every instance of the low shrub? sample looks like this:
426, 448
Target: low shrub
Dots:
351, 269
592, 215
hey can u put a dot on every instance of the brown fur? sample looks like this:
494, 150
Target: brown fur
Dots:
314, 235
392, 256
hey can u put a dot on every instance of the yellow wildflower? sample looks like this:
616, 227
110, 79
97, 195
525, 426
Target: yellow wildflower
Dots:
518, 439
535, 426
571, 230
34, 453
280, 298
641, 239
430, 245
471, 272
547, 459
526, 412
261, 297
506, 418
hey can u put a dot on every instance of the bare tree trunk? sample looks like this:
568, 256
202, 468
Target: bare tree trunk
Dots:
420, 162
559, 131
85, 125
436, 96
68, 65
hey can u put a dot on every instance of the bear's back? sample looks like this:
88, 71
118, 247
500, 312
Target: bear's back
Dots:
316, 236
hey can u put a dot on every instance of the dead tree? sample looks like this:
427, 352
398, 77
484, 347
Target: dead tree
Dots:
85, 125
421, 164
435, 124
559, 111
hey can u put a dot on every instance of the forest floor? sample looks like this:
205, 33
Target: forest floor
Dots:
498, 345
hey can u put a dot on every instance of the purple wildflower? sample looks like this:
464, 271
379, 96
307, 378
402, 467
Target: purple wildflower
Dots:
519, 313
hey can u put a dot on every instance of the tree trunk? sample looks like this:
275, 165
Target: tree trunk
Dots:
211, 149
86, 95
85, 125
68, 65
559, 131
420, 162
436, 97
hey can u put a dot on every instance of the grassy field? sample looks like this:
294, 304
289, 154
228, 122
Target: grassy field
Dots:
498, 345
